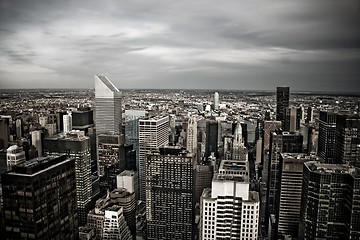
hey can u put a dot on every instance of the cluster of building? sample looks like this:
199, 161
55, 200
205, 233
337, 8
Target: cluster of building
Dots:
139, 165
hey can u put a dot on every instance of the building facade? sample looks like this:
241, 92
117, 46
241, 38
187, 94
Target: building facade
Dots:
40, 199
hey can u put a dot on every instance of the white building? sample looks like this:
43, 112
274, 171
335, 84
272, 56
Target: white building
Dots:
115, 225
14, 156
127, 179
216, 101
36, 141
67, 122
229, 210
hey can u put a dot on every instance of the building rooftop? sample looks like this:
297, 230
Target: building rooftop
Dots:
39, 164
221, 177
108, 84
235, 165
323, 168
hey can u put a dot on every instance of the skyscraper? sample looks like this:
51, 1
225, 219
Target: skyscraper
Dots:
191, 135
327, 136
291, 174
330, 207
282, 103
229, 210
77, 146
40, 199
280, 142
153, 134
347, 146
108, 106
67, 121
36, 141
169, 194
212, 132
132, 130
216, 101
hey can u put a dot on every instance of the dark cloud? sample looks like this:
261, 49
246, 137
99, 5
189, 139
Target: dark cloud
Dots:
308, 45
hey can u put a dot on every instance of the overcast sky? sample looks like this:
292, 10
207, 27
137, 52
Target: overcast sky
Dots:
251, 45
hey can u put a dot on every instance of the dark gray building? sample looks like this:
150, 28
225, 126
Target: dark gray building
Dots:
77, 146
40, 199
282, 103
327, 137
347, 146
330, 206
169, 194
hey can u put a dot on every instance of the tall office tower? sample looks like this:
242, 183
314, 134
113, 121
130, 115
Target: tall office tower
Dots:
327, 136
36, 141
153, 134
59, 120
282, 103
269, 126
203, 177
132, 130
212, 131
14, 156
191, 135
239, 151
292, 120
229, 210
310, 115
115, 225
330, 202
108, 106
169, 194
216, 101
18, 128
126, 199
40, 199
67, 121
111, 158
291, 167
347, 146
4, 131
280, 142
77, 146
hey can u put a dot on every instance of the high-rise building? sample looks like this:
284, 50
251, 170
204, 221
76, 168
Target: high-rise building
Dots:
40, 199
347, 146
229, 210
127, 179
114, 224
291, 167
203, 176
327, 136
169, 194
191, 135
292, 120
77, 146
153, 134
67, 121
132, 130
280, 142
36, 141
216, 101
212, 132
239, 151
4, 131
127, 200
18, 128
108, 106
111, 158
282, 103
330, 206
14, 156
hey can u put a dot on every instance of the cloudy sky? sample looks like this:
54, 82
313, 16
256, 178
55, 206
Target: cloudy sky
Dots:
251, 45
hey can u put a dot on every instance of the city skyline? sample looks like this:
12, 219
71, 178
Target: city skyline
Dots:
307, 45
